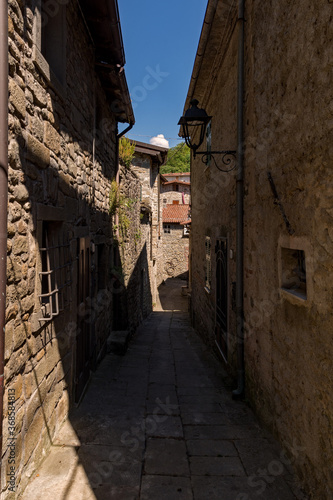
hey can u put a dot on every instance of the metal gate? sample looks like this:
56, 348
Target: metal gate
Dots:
83, 320
221, 322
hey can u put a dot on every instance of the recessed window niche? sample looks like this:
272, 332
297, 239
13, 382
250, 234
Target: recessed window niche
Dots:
293, 272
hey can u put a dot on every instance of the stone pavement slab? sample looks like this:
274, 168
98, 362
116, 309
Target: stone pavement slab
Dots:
166, 488
166, 457
159, 423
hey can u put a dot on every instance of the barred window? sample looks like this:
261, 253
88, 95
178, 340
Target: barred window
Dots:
55, 275
53, 20
208, 270
167, 228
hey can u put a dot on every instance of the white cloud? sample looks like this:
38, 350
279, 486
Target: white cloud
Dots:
159, 140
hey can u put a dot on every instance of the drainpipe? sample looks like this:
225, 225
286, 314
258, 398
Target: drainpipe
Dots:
239, 392
131, 125
3, 190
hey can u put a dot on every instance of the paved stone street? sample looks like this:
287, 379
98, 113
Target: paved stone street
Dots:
157, 424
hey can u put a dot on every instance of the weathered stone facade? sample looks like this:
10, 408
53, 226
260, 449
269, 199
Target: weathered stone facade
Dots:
140, 249
169, 195
175, 251
175, 188
146, 164
62, 158
288, 233
175, 240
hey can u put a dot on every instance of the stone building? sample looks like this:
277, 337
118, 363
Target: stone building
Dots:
176, 188
278, 206
140, 252
67, 93
176, 240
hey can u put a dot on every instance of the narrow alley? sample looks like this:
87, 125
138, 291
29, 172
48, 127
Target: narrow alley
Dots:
158, 424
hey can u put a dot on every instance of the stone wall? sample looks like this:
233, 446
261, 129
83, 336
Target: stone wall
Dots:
60, 173
135, 254
175, 252
147, 171
288, 113
169, 195
213, 192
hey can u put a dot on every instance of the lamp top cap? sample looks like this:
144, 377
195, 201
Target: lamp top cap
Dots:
195, 113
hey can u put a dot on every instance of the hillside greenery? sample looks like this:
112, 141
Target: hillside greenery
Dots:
178, 159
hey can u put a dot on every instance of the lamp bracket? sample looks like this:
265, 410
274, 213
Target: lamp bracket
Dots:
228, 158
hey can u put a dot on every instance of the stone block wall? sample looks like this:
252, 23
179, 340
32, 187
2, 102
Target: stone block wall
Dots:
60, 173
147, 171
169, 195
213, 193
135, 254
175, 252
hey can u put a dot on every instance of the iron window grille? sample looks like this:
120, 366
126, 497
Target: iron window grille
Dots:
208, 269
55, 275
167, 228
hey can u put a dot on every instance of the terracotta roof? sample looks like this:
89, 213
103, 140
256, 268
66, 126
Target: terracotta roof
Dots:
175, 174
182, 183
176, 213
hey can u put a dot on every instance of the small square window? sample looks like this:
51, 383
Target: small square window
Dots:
294, 272
167, 228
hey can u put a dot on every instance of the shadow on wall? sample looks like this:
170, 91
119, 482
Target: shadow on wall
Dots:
131, 303
64, 289
64, 277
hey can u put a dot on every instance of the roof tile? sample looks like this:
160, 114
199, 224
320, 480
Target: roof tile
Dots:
175, 213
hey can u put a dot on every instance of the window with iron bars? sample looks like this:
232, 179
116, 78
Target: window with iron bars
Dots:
208, 262
55, 275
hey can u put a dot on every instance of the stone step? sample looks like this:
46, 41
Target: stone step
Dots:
117, 341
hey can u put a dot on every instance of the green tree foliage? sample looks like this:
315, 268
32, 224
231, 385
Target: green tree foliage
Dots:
178, 159
126, 151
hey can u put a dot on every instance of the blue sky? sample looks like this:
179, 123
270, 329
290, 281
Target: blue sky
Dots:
161, 40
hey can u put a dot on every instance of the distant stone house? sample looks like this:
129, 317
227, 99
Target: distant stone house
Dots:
141, 251
67, 93
176, 188
280, 338
176, 220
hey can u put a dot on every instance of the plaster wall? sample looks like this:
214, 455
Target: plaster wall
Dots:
289, 339
288, 119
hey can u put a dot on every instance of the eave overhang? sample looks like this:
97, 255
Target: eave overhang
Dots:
103, 22
219, 20
157, 153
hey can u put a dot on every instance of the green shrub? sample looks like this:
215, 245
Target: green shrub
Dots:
126, 151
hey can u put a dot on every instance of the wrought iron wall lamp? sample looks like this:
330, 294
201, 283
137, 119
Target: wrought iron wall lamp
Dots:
196, 120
